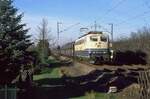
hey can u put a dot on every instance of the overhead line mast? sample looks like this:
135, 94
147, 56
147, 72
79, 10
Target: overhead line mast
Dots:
58, 32
112, 30
95, 26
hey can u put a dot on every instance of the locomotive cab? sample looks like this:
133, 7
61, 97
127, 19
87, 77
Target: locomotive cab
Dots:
100, 51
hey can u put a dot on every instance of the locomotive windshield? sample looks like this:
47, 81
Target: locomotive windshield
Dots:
93, 38
104, 38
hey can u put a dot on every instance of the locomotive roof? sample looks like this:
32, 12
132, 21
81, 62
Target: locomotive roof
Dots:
92, 32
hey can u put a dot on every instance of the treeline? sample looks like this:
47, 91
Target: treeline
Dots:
138, 42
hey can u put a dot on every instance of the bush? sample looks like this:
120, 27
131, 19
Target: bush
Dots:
138, 41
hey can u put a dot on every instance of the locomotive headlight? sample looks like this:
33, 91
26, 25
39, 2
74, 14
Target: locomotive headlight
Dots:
104, 52
94, 52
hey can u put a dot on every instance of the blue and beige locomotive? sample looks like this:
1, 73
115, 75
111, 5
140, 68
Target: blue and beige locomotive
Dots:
94, 46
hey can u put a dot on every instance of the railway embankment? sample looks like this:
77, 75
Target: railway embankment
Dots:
73, 79
96, 80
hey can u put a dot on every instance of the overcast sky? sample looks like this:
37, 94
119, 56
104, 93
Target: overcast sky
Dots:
126, 15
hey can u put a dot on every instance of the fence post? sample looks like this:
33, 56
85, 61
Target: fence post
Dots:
5, 91
15, 97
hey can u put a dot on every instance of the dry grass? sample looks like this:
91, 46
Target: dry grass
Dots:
131, 92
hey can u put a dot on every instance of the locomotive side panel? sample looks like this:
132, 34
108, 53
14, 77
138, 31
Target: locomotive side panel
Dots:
80, 46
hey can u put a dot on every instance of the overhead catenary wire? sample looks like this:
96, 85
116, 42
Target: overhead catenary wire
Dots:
126, 20
129, 19
136, 16
71, 26
133, 18
111, 9
146, 3
108, 11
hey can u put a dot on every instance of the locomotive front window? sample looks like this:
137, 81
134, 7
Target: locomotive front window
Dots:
92, 38
104, 38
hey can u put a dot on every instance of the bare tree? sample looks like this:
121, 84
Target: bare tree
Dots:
45, 33
44, 39
43, 30
139, 40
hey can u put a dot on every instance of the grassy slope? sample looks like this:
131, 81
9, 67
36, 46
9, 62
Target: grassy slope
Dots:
95, 95
47, 73
54, 73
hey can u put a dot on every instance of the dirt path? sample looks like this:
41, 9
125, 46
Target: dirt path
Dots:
77, 69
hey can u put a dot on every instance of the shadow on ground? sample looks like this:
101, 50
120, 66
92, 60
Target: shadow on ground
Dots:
68, 87
130, 58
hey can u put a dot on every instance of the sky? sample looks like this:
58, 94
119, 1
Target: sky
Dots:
126, 15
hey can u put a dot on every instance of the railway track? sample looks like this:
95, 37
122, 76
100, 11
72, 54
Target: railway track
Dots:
115, 67
83, 68
109, 66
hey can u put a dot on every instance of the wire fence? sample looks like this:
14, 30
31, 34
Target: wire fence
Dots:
139, 90
144, 82
7, 92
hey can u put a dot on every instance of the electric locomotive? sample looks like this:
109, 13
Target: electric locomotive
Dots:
94, 46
